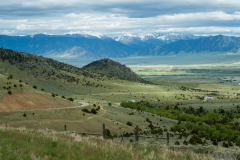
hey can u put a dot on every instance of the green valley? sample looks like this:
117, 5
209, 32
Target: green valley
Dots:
160, 100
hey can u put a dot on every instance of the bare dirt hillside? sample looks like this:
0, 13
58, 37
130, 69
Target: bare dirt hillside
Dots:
22, 101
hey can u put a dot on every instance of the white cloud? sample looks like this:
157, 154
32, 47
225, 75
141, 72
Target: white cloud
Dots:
112, 17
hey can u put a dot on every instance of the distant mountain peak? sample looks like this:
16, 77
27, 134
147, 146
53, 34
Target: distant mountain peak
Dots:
87, 34
152, 39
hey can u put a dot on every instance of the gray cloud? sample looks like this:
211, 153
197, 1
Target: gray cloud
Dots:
112, 17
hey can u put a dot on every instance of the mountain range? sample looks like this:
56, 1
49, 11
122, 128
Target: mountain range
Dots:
151, 40
96, 45
212, 44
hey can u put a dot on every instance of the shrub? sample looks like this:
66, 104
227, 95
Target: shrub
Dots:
93, 111
109, 104
179, 121
24, 115
15, 85
20, 81
148, 120
204, 142
225, 145
63, 96
42, 89
10, 77
214, 142
35, 87
20, 85
53, 94
177, 143
85, 110
195, 139
151, 126
131, 140
108, 132
238, 141
70, 99
129, 123
10, 92
230, 144
185, 143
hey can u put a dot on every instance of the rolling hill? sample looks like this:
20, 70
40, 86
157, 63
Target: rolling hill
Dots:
115, 69
60, 78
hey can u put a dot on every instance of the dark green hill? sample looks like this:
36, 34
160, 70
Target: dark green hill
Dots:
115, 69
51, 75
43, 68
61, 78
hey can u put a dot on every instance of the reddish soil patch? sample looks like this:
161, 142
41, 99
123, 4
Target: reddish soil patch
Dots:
31, 101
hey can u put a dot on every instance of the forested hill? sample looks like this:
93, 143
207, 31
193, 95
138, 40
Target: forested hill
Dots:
49, 69
112, 68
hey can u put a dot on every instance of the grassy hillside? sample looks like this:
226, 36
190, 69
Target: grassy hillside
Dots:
114, 69
36, 144
17, 95
59, 78
169, 103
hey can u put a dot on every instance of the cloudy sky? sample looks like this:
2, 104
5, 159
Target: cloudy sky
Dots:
116, 17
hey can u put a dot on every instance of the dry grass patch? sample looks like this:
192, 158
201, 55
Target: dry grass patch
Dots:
29, 144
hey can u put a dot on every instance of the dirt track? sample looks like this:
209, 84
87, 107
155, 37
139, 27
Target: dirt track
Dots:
59, 120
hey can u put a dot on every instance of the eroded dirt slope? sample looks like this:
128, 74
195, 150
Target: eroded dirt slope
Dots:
22, 101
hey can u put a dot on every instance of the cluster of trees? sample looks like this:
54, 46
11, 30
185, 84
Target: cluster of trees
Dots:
93, 111
215, 126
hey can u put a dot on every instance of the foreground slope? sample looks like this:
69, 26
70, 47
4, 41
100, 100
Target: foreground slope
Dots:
28, 144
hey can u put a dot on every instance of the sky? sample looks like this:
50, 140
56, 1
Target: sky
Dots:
118, 17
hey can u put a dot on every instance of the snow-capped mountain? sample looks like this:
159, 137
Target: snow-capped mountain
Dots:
87, 34
152, 39
90, 45
96, 45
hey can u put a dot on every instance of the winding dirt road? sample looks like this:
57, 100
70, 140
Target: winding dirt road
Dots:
84, 104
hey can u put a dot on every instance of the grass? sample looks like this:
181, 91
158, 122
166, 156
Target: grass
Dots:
24, 96
164, 92
36, 144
